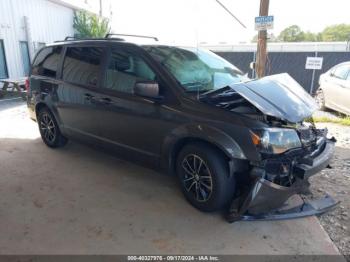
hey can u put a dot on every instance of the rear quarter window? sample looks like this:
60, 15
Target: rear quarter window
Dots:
47, 61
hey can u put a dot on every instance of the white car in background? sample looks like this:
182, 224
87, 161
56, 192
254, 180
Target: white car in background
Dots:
334, 90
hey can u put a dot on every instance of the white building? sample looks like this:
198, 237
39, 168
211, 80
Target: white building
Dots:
27, 25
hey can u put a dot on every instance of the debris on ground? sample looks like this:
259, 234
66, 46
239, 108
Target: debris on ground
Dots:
336, 182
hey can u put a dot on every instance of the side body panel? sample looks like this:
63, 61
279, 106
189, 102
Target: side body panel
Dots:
336, 91
141, 128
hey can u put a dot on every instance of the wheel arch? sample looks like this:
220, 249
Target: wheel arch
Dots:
210, 136
40, 105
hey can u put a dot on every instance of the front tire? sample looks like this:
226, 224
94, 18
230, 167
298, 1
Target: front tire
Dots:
49, 129
320, 100
204, 177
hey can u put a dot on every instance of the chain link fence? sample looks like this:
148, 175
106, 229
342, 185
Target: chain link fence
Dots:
292, 63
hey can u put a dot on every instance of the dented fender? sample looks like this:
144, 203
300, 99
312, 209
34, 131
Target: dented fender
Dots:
202, 132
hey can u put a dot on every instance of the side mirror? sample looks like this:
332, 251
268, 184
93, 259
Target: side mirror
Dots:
147, 89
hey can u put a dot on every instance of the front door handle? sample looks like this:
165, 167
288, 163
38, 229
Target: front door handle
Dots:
105, 100
88, 96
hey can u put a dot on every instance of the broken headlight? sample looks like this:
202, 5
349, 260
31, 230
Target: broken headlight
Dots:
275, 140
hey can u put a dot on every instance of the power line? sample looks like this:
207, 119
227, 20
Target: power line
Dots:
228, 11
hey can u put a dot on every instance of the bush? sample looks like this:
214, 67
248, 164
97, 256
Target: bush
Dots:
88, 25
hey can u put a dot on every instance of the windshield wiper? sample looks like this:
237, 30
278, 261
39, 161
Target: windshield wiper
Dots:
214, 92
195, 87
197, 91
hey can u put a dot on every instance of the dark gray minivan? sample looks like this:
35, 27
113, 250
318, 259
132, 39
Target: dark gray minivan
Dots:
234, 143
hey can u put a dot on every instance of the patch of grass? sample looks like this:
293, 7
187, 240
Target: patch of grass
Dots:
336, 120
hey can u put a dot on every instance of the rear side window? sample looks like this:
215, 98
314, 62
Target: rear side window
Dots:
341, 72
46, 62
82, 65
125, 69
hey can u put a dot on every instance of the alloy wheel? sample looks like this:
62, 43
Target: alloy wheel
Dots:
197, 178
48, 128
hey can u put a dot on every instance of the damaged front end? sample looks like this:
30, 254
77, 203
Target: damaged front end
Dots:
276, 179
290, 149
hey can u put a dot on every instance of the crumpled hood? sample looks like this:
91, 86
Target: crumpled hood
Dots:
279, 96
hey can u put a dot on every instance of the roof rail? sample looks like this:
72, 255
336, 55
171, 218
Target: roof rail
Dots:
141, 36
72, 38
108, 36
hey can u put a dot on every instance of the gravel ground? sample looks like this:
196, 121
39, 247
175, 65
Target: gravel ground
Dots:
336, 182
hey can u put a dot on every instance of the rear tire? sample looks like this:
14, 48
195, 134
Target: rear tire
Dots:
204, 177
320, 99
49, 129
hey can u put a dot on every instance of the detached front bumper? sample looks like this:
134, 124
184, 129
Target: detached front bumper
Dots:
266, 200
318, 163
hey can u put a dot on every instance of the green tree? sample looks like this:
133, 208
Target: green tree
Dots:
292, 33
340, 32
89, 25
310, 37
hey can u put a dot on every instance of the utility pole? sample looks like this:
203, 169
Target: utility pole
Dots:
262, 39
100, 8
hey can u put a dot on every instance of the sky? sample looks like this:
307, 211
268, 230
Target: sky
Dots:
196, 21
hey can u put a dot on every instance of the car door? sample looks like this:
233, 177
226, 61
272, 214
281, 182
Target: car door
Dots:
345, 95
78, 90
334, 87
131, 122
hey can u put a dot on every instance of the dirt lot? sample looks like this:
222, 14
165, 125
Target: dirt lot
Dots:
336, 182
76, 200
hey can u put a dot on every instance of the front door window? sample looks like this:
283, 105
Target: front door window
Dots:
125, 69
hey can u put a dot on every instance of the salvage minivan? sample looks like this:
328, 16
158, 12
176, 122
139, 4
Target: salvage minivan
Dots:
234, 143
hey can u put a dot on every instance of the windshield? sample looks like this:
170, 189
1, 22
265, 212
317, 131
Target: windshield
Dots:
197, 70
